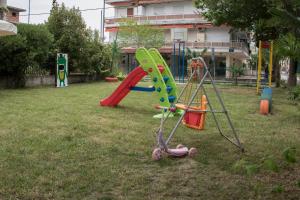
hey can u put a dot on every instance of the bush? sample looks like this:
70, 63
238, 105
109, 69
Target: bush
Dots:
30, 47
294, 93
236, 71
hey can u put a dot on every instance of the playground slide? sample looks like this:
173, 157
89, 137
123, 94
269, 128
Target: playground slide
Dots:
124, 88
152, 64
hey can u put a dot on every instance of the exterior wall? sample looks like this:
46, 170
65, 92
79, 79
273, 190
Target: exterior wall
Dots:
31, 81
168, 35
172, 8
192, 35
121, 12
12, 16
217, 34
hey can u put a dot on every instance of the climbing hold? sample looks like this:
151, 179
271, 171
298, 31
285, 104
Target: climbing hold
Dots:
169, 89
162, 99
158, 89
155, 79
172, 99
166, 79
150, 70
161, 68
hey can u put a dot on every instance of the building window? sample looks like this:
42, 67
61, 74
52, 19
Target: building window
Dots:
129, 12
201, 35
159, 10
14, 14
121, 12
178, 10
179, 34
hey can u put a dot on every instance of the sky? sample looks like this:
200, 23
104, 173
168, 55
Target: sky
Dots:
92, 18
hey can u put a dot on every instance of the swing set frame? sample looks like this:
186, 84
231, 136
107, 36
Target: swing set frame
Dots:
200, 86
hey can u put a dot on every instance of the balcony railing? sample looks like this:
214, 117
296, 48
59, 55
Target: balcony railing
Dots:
168, 46
139, 18
202, 45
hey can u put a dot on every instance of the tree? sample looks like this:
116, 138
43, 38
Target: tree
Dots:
288, 46
29, 48
131, 33
267, 19
70, 33
86, 52
236, 71
96, 57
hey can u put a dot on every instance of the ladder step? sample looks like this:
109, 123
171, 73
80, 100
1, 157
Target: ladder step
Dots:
172, 99
166, 79
161, 68
169, 89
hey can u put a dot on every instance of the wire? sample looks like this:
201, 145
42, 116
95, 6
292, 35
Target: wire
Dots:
83, 10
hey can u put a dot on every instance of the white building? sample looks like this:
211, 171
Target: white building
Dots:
181, 21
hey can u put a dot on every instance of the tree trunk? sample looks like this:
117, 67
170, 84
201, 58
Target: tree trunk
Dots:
292, 79
277, 70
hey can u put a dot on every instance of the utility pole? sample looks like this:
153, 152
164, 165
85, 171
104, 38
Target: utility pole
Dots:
103, 21
29, 11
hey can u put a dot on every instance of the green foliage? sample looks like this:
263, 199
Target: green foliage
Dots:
270, 164
70, 34
86, 52
121, 76
289, 154
29, 48
39, 42
244, 167
298, 183
253, 61
268, 20
131, 33
278, 189
251, 169
236, 71
243, 15
95, 56
194, 54
116, 58
288, 46
294, 94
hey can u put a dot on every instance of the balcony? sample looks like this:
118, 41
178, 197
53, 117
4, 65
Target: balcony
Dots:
159, 20
240, 48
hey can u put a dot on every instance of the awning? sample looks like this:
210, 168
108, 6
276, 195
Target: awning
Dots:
7, 28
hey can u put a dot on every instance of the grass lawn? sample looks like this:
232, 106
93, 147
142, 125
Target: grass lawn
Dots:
59, 144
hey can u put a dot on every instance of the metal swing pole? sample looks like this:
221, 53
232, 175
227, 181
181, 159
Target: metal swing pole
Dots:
207, 73
180, 95
183, 55
173, 60
225, 111
189, 104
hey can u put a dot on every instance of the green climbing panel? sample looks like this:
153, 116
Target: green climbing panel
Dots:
150, 66
170, 83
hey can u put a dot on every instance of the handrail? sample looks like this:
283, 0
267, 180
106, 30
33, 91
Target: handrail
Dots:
113, 20
232, 44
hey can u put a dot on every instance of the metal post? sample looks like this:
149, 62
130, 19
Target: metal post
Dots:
103, 21
183, 55
225, 111
189, 104
214, 61
259, 67
271, 64
173, 59
29, 10
179, 62
207, 73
